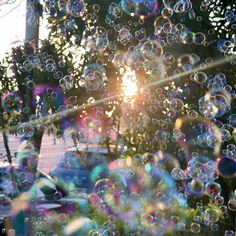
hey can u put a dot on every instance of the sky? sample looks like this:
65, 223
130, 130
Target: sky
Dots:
12, 24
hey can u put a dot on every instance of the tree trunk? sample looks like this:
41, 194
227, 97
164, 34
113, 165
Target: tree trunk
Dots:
8, 152
4, 134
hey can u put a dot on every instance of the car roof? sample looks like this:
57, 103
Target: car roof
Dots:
99, 150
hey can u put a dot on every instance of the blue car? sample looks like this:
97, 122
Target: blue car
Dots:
44, 193
76, 168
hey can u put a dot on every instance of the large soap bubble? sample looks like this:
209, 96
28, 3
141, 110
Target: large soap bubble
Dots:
151, 51
216, 103
76, 7
93, 76
198, 136
178, 5
11, 102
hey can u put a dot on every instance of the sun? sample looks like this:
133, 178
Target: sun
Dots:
129, 83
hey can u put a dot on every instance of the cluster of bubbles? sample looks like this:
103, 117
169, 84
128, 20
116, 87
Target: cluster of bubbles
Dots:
122, 191
94, 76
215, 103
178, 6
175, 140
139, 191
114, 13
66, 83
47, 96
95, 38
141, 8
146, 56
76, 8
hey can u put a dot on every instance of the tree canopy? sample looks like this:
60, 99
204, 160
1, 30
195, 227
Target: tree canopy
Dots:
153, 81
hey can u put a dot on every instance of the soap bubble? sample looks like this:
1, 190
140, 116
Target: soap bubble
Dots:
104, 186
232, 203
195, 228
168, 58
92, 81
216, 103
200, 77
219, 200
227, 167
119, 59
191, 114
96, 36
151, 51
166, 12
212, 189
232, 120
212, 215
162, 24
70, 24
229, 233
26, 130
148, 158
178, 174
94, 76
199, 38
196, 187
76, 8
66, 83
198, 135
124, 36
202, 169
11, 102
176, 104
230, 16
186, 61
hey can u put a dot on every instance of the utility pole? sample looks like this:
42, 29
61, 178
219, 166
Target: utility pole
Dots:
32, 23
33, 13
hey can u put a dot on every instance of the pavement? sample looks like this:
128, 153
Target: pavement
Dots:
50, 154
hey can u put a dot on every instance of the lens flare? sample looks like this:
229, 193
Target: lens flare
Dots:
129, 83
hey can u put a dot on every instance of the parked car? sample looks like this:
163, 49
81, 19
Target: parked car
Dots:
45, 195
76, 168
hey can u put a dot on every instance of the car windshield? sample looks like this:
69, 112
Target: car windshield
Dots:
72, 160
